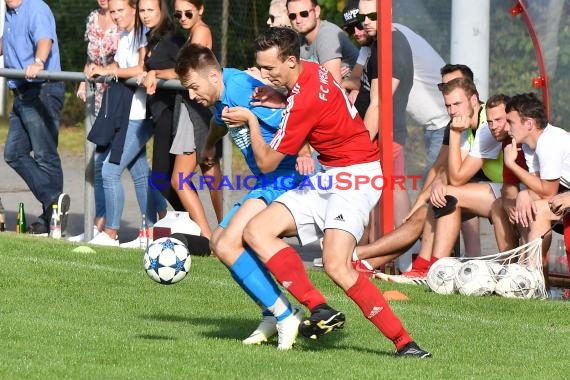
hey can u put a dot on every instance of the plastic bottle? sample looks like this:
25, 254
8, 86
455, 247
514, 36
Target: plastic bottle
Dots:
2, 218
54, 225
143, 233
562, 258
21, 225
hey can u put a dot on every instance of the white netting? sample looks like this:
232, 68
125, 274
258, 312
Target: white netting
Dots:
515, 274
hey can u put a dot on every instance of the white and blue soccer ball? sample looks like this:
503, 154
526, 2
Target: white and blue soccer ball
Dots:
474, 278
516, 281
441, 275
167, 260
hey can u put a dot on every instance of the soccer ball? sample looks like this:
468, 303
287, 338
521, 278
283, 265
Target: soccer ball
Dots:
167, 260
515, 281
441, 275
495, 268
474, 279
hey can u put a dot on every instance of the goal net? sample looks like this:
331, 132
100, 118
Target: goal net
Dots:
516, 273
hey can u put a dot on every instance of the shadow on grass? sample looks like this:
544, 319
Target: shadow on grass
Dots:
238, 328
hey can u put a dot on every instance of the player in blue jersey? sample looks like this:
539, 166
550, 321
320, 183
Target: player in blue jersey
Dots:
207, 84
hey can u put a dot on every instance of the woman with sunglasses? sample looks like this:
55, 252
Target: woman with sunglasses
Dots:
278, 15
165, 105
189, 142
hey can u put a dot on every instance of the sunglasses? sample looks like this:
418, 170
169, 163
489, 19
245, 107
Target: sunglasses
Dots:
440, 86
304, 14
350, 28
178, 14
371, 16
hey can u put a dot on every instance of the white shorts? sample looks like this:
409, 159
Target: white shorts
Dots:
496, 189
339, 198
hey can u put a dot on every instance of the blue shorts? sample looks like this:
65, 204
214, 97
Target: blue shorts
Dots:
267, 193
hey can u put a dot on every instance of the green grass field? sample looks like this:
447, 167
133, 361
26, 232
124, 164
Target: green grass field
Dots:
98, 316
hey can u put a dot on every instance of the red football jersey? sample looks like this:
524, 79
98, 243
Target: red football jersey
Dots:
318, 111
509, 178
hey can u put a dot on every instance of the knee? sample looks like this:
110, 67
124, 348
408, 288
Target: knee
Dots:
174, 183
249, 235
335, 268
10, 156
218, 245
496, 210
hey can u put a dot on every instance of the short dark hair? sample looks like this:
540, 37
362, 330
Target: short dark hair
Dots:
529, 106
285, 39
464, 83
314, 2
195, 57
497, 100
465, 70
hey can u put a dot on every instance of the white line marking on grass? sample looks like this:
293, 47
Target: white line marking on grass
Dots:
73, 264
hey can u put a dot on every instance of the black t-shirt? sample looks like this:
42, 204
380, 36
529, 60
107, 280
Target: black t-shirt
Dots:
161, 55
403, 70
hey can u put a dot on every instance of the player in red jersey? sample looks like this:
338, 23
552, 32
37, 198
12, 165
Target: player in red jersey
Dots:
335, 202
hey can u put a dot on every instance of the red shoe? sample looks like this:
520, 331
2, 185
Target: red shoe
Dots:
416, 273
363, 266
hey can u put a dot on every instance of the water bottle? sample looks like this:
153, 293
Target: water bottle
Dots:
2, 218
54, 226
561, 258
21, 225
143, 233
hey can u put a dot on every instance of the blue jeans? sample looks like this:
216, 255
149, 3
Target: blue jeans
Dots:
133, 159
98, 159
432, 142
34, 127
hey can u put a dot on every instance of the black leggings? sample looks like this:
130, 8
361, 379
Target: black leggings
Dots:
162, 160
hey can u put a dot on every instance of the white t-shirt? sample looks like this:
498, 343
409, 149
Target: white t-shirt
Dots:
551, 158
484, 144
425, 103
127, 55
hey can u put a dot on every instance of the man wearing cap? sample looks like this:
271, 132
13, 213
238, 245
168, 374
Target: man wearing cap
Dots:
358, 80
322, 42
402, 81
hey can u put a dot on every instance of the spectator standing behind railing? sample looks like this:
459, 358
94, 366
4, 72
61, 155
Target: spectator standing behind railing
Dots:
101, 35
163, 45
278, 15
128, 63
193, 125
30, 43
322, 42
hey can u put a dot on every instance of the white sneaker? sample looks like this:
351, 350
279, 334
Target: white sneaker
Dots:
136, 244
265, 330
104, 239
318, 262
81, 236
288, 329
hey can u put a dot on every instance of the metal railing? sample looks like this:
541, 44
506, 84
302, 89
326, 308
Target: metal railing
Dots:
88, 192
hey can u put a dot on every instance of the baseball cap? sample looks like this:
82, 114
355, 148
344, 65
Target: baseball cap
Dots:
350, 12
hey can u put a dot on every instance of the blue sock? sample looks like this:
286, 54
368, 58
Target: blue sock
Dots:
256, 281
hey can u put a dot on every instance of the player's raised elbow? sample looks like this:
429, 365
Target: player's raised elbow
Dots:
265, 165
457, 180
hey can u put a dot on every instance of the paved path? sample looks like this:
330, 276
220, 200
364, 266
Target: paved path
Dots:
13, 190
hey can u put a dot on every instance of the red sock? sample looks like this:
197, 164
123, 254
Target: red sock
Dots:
420, 264
432, 260
288, 269
376, 309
